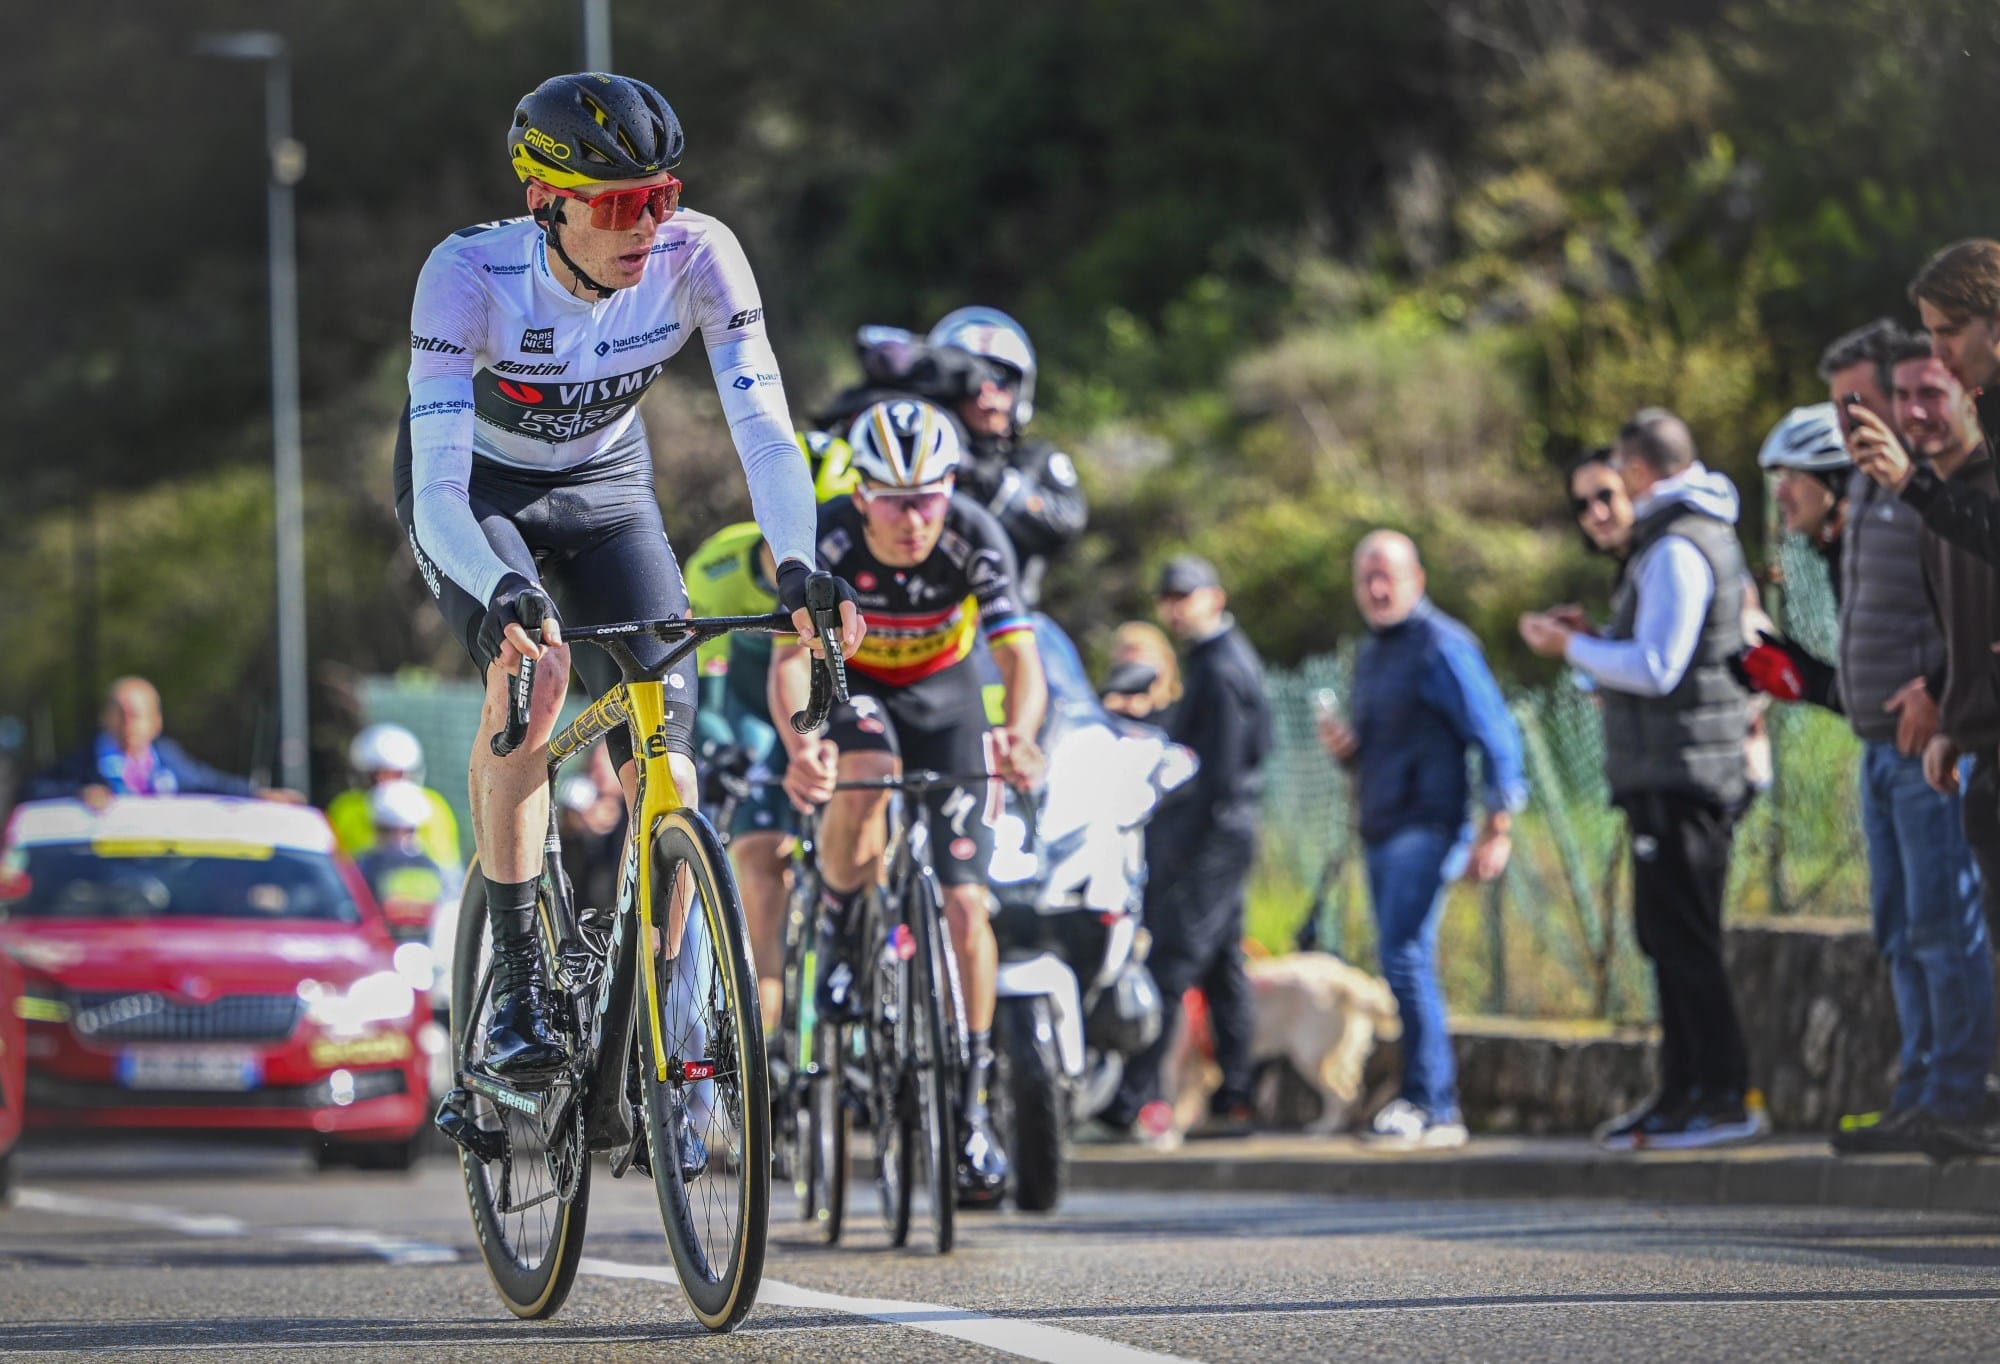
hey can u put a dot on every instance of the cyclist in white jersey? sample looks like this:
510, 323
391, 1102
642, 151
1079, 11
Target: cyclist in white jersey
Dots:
523, 478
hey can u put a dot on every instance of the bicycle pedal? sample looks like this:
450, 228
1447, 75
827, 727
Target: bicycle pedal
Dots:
458, 1127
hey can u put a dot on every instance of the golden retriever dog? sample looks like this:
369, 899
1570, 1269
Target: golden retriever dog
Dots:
1311, 1009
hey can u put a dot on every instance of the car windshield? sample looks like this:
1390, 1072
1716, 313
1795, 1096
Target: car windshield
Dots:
154, 881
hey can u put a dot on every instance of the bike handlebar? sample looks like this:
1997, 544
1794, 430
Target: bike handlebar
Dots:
829, 678
829, 674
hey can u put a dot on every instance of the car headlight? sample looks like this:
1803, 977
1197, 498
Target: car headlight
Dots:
383, 997
417, 964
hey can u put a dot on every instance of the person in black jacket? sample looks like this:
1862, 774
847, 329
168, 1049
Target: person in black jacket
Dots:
1958, 294
1201, 843
979, 364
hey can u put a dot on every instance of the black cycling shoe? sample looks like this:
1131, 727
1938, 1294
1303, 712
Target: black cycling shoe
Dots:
982, 1165
522, 1045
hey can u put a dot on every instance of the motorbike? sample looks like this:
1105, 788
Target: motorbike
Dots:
1075, 999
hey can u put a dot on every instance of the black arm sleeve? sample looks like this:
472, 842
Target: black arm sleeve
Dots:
1956, 513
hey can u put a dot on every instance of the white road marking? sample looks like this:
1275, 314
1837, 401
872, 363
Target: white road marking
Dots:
397, 1250
1027, 1339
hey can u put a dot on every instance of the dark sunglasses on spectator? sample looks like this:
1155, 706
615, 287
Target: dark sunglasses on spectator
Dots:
1601, 498
615, 210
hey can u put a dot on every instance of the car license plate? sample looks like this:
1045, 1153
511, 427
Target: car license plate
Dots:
221, 1069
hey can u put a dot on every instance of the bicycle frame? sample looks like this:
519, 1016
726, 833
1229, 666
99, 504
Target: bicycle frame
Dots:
640, 704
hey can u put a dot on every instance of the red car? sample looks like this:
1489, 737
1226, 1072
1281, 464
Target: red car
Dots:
196, 963
13, 1068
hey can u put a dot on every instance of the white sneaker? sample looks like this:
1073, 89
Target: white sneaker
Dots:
1402, 1126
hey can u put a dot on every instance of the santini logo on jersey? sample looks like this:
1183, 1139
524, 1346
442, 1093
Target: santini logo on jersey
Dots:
432, 343
537, 369
744, 318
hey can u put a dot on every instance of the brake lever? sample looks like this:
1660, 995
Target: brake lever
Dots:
520, 692
829, 674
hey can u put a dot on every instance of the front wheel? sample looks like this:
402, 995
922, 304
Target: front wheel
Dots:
1031, 1097
703, 1074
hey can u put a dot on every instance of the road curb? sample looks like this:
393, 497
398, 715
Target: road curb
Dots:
1793, 1173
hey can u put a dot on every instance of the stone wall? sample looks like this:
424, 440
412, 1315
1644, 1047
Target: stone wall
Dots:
1816, 1011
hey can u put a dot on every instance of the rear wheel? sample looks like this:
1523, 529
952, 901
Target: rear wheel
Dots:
1030, 1099
931, 1124
528, 1206
702, 1072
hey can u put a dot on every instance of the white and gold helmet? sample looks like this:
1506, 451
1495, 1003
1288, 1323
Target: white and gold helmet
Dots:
905, 443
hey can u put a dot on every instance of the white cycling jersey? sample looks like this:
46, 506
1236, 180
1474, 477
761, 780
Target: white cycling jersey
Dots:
508, 365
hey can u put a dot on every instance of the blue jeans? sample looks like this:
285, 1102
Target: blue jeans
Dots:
1929, 925
1407, 875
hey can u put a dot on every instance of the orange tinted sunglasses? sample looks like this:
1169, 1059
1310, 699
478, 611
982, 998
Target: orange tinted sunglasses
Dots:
614, 210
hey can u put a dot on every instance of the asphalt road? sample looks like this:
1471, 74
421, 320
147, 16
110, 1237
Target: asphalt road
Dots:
149, 1252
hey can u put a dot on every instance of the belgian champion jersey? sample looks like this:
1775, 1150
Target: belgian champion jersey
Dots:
922, 619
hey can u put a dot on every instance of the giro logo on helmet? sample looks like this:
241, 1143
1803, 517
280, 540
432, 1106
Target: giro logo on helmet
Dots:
542, 142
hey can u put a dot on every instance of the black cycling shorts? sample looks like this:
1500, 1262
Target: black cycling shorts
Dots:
593, 537
882, 719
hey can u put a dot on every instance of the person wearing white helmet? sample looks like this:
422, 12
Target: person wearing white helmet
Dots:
933, 572
382, 754
406, 881
1808, 458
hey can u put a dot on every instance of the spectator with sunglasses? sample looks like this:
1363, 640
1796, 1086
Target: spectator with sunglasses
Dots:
522, 475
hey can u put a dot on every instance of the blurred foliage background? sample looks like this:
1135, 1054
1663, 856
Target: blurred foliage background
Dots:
1294, 270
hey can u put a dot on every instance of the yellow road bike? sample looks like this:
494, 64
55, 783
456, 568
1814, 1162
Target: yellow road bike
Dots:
666, 1071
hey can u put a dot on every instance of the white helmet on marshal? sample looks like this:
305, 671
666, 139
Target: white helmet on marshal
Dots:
387, 748
991, 334
399, 805
905, 443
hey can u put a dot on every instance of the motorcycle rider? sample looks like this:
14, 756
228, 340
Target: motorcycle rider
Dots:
979, 364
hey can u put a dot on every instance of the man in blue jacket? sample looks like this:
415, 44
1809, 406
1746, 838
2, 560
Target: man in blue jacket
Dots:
130, 757
1423, 696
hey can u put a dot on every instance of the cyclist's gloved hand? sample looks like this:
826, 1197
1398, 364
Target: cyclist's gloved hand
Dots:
516, 601
792, 579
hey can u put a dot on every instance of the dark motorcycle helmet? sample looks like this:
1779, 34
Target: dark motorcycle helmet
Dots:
582, 128
1125, 1017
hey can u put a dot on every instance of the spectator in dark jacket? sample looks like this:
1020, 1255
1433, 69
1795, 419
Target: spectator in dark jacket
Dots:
1423, 699
1958, 294
1924, 891
130, 757
1201, 843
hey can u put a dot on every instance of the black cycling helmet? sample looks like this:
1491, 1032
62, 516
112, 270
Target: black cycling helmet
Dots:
579, 129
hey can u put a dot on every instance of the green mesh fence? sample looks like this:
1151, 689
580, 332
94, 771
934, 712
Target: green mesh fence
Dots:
1554, 938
